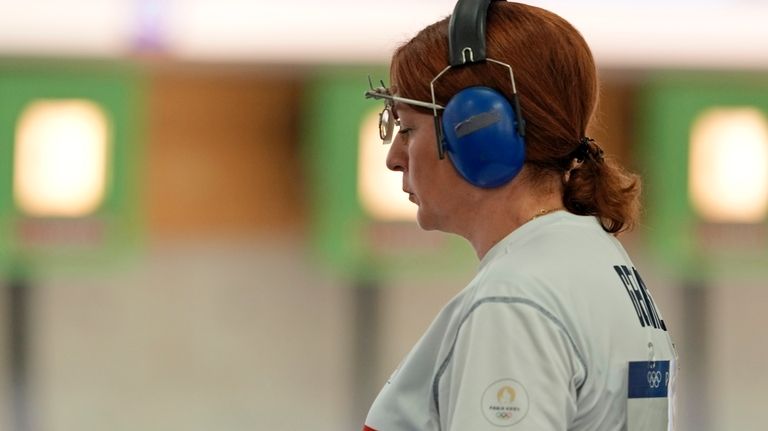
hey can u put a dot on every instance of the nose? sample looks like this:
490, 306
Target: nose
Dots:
397, 157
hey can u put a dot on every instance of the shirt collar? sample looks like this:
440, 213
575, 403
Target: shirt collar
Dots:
501, 247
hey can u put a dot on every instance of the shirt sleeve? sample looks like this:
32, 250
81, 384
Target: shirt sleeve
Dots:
512, 363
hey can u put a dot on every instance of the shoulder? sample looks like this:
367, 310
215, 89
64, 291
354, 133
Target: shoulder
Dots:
509, 337
562, 266
520, 281
552, 256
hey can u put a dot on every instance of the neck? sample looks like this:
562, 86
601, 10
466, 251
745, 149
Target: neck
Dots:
502, 211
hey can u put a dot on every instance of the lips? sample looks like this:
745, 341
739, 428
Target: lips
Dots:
411, 195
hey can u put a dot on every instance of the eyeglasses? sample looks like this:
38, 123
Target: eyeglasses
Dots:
387, 118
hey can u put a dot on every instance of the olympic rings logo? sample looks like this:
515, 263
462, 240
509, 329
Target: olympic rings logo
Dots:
654, 379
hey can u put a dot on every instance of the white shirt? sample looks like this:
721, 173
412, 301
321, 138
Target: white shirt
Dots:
541, 339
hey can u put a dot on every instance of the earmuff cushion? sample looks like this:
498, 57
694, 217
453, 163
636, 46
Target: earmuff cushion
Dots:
481, 137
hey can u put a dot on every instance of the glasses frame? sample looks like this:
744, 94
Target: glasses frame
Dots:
386, 128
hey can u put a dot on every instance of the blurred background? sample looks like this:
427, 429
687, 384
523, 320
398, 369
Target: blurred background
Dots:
197, 231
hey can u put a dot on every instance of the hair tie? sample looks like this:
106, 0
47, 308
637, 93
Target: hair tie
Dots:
587, 149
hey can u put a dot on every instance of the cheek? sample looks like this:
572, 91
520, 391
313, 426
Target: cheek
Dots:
436, 180
422, 164
425, 148
427, 172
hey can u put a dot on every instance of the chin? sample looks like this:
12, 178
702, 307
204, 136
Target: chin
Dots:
426, 221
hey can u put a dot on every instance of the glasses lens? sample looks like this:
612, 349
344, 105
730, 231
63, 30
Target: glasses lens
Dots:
386, 124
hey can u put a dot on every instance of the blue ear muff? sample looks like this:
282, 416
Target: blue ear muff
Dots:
481, 137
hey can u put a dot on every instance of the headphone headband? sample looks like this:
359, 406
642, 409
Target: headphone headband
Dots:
466, 32
480, 129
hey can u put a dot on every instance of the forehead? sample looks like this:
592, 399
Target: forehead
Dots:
400, 107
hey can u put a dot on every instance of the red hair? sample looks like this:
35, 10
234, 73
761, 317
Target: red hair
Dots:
557, 85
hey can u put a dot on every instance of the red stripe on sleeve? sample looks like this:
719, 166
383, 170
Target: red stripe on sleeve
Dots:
367, 428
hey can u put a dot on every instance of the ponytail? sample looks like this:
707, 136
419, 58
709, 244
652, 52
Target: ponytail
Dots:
598, 186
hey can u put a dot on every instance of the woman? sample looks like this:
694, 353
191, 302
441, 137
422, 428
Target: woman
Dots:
557, 331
